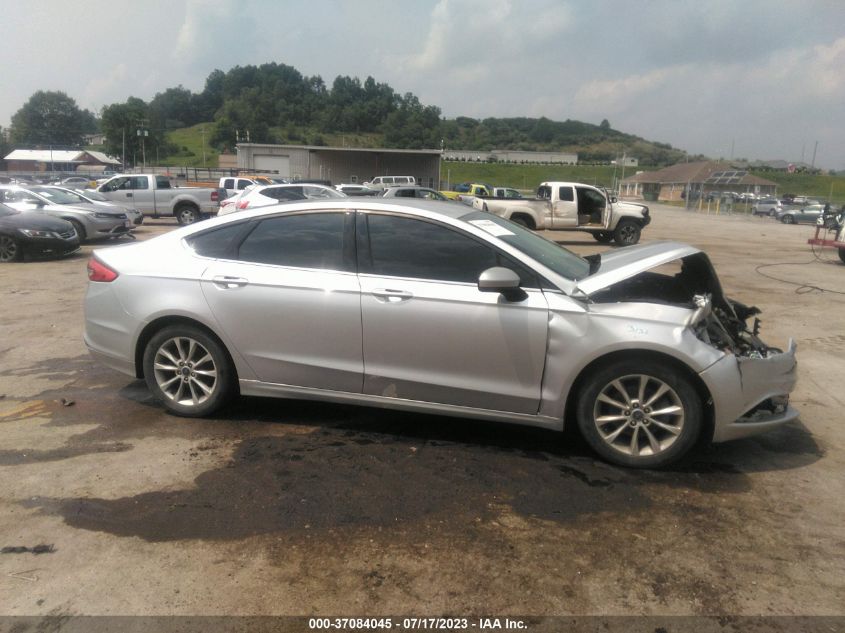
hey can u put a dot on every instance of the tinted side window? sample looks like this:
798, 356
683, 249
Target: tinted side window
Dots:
228, 183
243, 183
140, 182
313, 240
566, 194
405, 247
216, 243
162, 182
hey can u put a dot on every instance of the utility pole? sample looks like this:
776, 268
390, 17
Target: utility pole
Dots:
202, 129
813, 163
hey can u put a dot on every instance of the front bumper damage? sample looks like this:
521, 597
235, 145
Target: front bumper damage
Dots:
751, 395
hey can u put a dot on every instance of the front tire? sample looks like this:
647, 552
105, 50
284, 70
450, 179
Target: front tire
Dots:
788, 219
10, 250
627, 233
188, 371
80, 230
187, 214
842, 255
639, 414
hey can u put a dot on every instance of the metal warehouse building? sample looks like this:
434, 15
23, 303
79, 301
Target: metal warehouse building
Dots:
340, 164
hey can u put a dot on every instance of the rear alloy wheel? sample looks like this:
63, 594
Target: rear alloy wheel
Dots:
188, 371
604, 237
627, 233
639, 414
10, 251
186, 214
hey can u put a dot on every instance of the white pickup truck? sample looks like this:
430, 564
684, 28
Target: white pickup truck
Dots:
154, 196
572, 206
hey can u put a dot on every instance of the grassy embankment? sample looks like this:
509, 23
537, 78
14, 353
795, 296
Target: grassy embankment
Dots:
526, 177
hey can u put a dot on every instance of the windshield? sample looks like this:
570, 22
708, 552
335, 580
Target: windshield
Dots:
562, 261
56, 196
93, 195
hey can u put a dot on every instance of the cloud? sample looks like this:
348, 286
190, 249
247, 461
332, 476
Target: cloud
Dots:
100, 89
471, 41
211, 29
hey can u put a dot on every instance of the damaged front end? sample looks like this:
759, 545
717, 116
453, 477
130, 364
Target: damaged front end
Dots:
751, 382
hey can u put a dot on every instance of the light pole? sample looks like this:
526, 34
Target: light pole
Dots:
143, 133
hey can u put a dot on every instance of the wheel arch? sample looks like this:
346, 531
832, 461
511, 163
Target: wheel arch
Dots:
610, 358
523, 215
160, 323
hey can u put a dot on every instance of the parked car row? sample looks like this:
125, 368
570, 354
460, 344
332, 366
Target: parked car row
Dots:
90, 220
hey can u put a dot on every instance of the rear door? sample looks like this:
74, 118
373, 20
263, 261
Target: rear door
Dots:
285, 293
429, 334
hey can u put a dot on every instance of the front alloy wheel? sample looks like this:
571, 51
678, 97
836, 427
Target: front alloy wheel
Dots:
640, 414
627, 233
9, 249
188, 371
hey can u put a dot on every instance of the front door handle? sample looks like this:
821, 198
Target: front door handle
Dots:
128, 195
392, 296
226, 283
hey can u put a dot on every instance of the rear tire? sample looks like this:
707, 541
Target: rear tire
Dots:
188, 370
639, 413
627, 233
604, 237
788, 219
10, 250
842, 255
187, 214
522, 220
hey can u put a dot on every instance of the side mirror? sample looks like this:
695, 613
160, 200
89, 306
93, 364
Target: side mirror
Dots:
501, 280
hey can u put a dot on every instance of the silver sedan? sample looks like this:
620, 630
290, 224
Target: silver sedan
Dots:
432, 307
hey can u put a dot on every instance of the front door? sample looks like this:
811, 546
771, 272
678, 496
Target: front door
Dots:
564, 208
430, 335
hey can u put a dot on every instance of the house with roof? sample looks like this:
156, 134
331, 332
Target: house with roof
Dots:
43, 160
699, 178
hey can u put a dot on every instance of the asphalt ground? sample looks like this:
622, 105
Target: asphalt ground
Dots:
110, 506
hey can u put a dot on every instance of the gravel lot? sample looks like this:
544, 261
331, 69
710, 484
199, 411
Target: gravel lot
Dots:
304, 508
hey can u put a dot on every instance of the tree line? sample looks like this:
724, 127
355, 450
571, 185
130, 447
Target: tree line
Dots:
274, 103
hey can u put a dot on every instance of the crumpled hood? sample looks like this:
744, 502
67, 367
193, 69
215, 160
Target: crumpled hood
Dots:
624, 263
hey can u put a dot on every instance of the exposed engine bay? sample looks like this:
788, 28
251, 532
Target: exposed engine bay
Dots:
692, 283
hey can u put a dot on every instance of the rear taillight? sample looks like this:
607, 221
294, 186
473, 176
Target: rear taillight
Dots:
215, 196
98, 271
243, 204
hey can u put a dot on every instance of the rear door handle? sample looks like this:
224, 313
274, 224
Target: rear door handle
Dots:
226, 283
392, 296
128, 195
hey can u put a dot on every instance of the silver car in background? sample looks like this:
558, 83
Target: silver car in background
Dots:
89, 199
89, 223
433, 307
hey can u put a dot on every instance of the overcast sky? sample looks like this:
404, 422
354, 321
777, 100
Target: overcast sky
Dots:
765, 76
